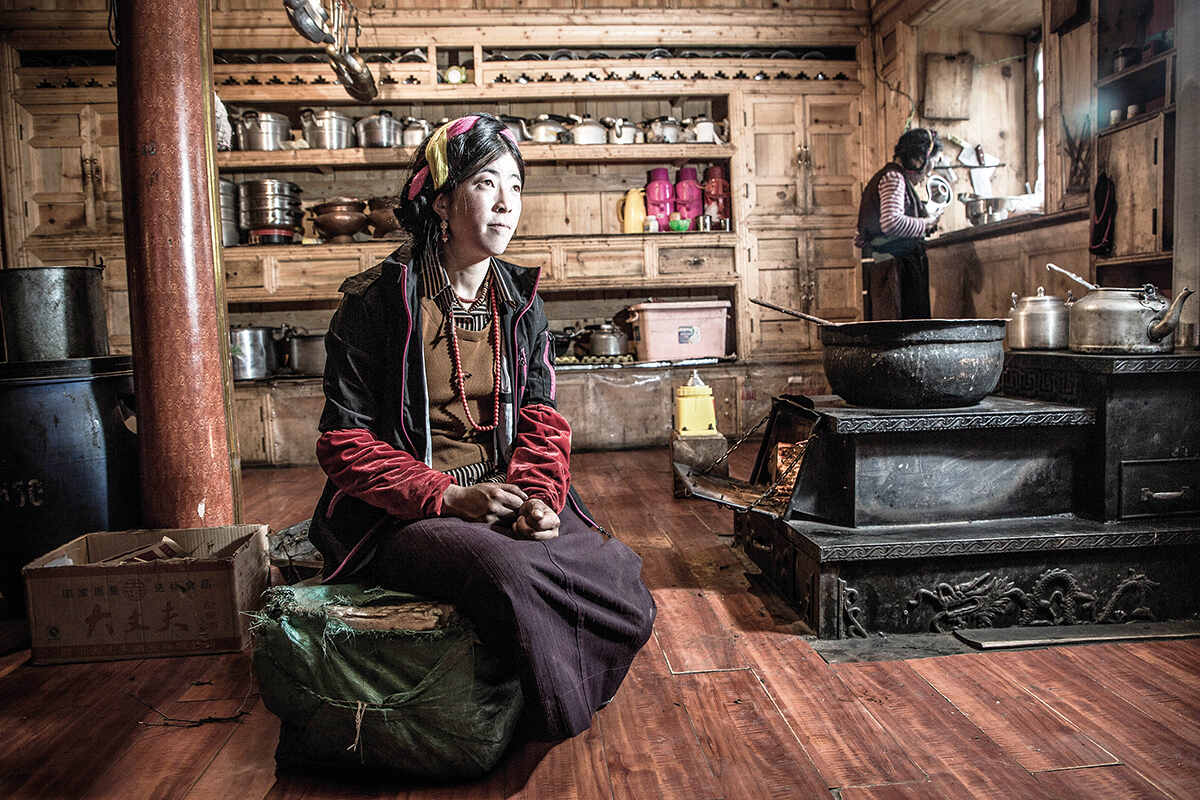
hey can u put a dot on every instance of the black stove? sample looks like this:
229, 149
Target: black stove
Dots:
1068, 499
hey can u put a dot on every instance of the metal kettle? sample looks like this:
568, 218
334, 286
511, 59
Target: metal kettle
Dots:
1107, 320
550, 129
1039, 321
517, 126
587, 130
604, 340
662, 129
620, 130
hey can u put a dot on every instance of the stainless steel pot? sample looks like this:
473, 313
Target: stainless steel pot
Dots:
1141, 320
327, 129
1039, 322
380, 130
415, 131
252, 350
53, 313
260, 130
303, 352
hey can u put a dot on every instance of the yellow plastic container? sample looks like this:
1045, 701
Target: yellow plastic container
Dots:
695, 414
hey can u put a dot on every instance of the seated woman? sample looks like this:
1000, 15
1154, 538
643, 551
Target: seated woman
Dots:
448, 464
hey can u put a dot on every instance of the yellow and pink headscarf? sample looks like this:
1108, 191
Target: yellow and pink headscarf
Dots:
437, 167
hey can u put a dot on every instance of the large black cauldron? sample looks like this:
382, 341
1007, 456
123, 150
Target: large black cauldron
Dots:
915, 363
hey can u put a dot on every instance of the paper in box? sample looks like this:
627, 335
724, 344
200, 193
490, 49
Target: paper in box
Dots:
83, 610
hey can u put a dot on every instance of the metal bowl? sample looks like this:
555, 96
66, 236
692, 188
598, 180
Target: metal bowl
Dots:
918, 363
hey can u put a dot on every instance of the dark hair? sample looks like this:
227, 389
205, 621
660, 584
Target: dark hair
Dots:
466, 154
916, 147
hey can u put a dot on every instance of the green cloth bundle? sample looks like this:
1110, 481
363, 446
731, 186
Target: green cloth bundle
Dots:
429, 703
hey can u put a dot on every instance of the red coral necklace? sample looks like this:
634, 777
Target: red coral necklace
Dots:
460, 382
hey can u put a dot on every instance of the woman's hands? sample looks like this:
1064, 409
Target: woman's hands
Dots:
536, 520
530, 518
483, 502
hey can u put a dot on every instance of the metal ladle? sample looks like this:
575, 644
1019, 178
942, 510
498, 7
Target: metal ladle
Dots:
1072, 276
790, 312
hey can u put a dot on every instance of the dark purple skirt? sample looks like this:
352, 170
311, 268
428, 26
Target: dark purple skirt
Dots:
571, 612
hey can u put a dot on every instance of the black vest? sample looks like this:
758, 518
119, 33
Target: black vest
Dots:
868, 207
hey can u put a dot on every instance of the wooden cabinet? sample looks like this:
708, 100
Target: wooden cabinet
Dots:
781, 276
804, 155
250, 409
69, 172
834, 283
1135, 158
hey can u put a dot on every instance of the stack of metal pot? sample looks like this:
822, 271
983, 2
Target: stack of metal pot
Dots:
327, 129
260, 130
269, 209
229, 227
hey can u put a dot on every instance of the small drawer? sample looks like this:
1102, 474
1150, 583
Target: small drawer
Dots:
243, 273
695, 261
1160, 487
528, 256
605, 263
314, 275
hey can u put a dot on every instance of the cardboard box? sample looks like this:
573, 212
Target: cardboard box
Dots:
82, 610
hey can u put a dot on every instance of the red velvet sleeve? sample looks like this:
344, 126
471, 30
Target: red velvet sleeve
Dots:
364, 467
541, 457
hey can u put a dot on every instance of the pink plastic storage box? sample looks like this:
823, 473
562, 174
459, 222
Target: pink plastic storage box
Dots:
685, 329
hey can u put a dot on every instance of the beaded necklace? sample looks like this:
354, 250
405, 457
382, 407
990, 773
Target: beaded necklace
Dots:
460, 382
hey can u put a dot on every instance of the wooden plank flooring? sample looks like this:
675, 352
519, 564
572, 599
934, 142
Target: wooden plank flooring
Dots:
727, 700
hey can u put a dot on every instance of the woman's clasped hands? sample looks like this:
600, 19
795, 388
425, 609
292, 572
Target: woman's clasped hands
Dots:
529, 517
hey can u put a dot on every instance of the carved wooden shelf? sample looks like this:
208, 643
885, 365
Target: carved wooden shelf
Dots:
257, 160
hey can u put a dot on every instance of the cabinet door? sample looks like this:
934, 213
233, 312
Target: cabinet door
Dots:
774, 128
104, 165
250, 416
831, 154
780, 277
833, 276
1133, 159
55, 143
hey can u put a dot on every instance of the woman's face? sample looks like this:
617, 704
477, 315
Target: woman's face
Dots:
482, 212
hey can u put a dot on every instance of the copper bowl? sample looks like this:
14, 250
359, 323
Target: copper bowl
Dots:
339, 227
338, 204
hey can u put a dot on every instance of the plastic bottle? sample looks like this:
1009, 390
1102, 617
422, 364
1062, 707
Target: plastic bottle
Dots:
660, 197
688, 196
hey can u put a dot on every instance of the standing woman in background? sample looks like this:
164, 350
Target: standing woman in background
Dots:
448, 463
892, 226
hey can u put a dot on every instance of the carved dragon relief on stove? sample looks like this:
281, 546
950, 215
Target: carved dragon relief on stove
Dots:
1056, 598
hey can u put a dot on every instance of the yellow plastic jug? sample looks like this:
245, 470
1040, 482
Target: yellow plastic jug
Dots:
631, 211
695, 414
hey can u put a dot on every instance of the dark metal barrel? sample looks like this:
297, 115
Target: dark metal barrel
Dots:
53, 313
69, 464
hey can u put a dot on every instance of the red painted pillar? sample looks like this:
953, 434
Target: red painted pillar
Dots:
164, 96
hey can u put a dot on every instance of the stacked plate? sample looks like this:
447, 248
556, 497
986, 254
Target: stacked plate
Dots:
270, 210
229, 228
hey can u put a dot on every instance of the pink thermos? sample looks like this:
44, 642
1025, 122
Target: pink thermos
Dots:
689, 198
716, 193
660, 197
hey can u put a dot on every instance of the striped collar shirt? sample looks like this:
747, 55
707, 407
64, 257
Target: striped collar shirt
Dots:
435, 285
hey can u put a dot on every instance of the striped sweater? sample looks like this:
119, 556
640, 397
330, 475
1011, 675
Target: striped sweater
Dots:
892, 220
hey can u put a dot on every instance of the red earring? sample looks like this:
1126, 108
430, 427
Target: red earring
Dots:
445, 232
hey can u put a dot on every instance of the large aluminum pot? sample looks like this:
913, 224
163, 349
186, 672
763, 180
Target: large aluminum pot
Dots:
1107, 320
327, 129
260, 130
1039, 322
304, 352
53, 313
604, 340
918, 363
252, 350
380, 130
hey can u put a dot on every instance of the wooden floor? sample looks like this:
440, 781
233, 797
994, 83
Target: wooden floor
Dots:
725, 701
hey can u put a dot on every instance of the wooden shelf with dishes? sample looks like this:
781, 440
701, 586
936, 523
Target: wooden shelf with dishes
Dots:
533, 153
